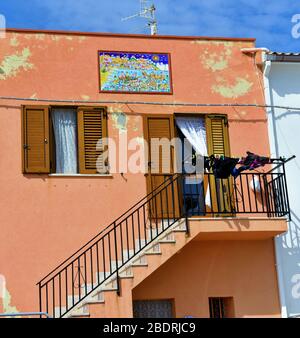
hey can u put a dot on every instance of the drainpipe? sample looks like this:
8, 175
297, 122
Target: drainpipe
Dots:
277, 239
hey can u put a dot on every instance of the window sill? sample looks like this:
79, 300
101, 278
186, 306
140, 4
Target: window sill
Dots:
80, 175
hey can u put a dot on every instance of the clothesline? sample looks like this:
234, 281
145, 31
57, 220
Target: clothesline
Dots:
171, 104
223, 166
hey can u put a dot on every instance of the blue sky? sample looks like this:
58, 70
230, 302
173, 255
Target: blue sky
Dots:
269, 21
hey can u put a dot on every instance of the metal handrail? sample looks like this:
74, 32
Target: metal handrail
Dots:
24, 314
282, 162
137, 229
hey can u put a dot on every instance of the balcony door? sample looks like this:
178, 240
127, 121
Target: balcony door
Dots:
192, 132
204, 135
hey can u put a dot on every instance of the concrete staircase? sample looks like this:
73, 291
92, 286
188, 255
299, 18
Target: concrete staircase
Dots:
104, 301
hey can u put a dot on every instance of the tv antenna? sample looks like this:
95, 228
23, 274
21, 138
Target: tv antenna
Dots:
147, 11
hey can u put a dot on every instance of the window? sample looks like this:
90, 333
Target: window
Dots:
221, 307
64, 140
153, 309
64, 124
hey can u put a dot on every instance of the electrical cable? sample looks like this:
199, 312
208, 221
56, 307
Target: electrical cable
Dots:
174, 104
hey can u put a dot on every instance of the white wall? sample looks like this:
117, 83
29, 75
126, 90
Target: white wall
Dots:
282, 87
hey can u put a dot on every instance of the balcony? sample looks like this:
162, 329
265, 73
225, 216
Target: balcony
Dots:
255, 205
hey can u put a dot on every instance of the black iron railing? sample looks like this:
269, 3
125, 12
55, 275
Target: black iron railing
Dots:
178, 197
259, 193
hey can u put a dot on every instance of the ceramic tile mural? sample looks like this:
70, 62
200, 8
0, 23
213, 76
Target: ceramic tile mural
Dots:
135, 72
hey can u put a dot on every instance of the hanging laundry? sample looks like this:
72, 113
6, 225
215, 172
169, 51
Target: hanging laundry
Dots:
223, 166
251, 162
255, 161
208, 162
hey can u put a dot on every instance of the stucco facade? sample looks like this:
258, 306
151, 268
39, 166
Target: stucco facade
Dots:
45, 218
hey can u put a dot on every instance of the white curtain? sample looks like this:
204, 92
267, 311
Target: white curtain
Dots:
65, 132
193, 128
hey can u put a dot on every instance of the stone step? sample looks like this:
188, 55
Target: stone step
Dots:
167, 241
88, 299
76, 312
139, 261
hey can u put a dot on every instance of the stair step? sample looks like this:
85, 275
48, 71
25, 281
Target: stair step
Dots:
162, 223
110, 289
142, 261
152, 253
140, 264
108, 274
98, 298
165, 221
153, 249
76, 312
166, 241
100, 277
155, 233
82, 311
181, 226
124, 275
94, 298
102, 287
75, 315
168, 238
127, 273
179, 230
143, 242
140, 244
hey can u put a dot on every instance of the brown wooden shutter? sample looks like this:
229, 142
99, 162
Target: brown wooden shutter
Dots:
217, 135
221, 191
158, 128
92, 127
36, 139
161, 126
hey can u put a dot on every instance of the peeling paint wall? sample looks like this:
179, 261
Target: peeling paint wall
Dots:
217, 60
136, 124
224, 66
85, 97
5, 298
14, 41
11, 65
239, 88
7, 307
120, 119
